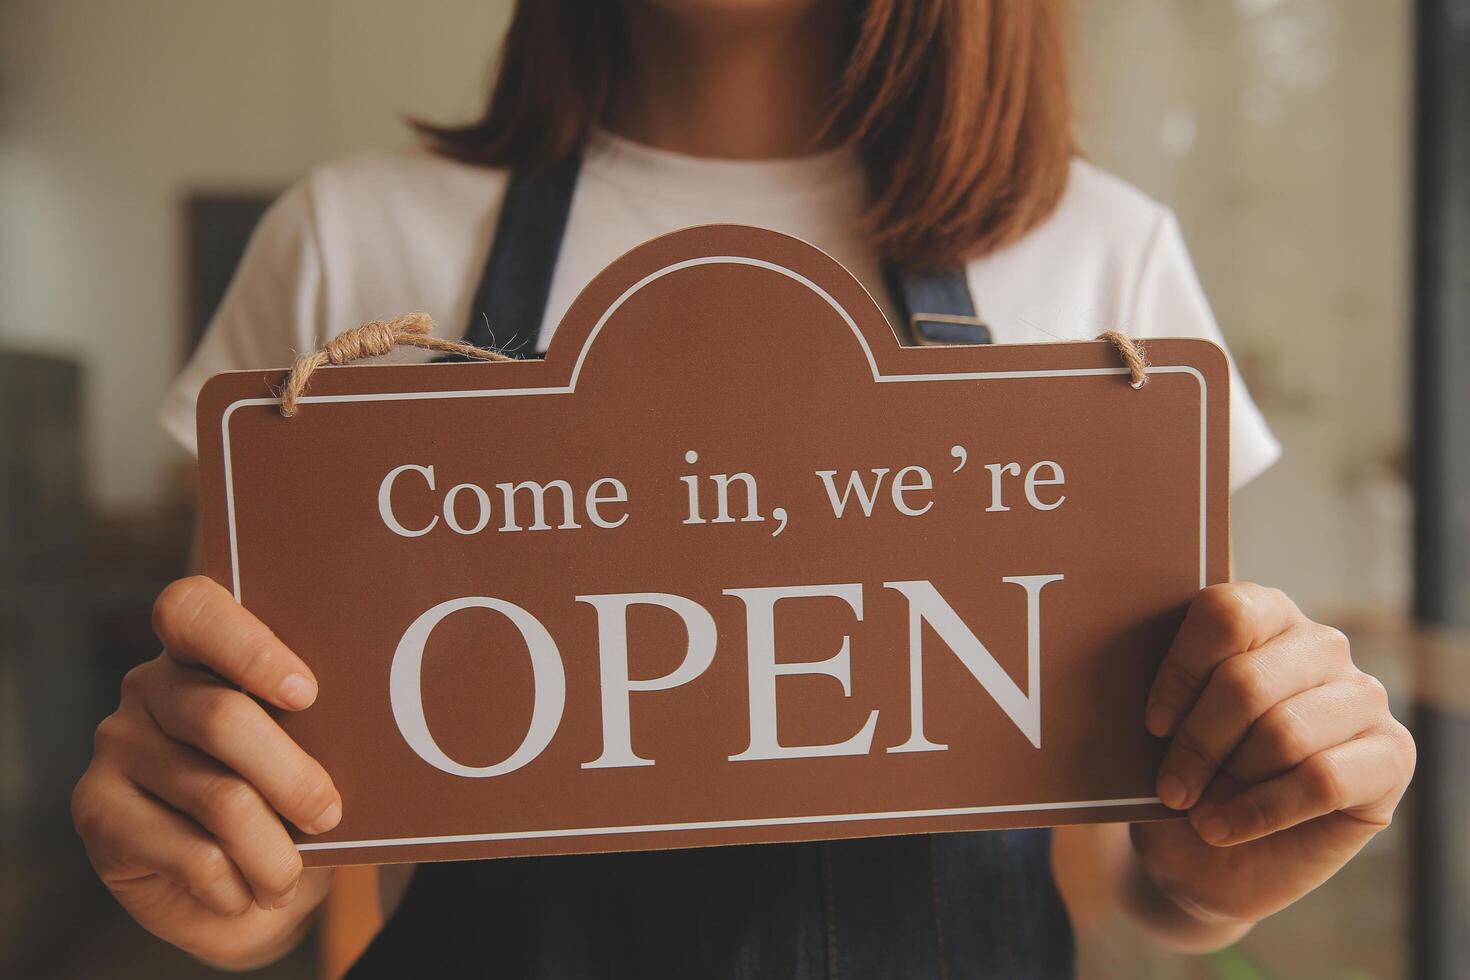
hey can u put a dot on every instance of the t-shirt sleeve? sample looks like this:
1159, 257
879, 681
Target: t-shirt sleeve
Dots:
271, 311
1171, 303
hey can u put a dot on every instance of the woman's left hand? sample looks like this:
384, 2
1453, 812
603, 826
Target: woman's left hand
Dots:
1282, 751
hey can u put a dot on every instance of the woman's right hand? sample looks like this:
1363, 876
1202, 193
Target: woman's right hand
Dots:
181, 808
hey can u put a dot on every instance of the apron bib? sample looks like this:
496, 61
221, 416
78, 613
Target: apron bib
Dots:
958, 906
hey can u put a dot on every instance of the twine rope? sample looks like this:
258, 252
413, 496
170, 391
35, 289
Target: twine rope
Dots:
416, 330
1131, 353
370, 340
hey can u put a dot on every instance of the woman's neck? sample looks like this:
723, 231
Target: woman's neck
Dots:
732, 85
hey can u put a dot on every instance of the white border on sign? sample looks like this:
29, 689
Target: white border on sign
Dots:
958, 811
878, 377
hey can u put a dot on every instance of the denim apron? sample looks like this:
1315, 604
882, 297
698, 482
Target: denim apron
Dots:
954, 905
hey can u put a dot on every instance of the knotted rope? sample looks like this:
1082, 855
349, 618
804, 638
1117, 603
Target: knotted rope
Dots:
415, 330
1131, 354
369, 340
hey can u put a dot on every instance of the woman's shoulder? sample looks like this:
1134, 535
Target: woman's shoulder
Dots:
1081, 265
408, 168
398, 189
1099, 198
395, 230
1099, 214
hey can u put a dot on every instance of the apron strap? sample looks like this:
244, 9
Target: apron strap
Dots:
936, 306
516, 283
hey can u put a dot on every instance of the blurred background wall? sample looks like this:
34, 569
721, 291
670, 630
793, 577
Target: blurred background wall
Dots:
113, 113
1279, 130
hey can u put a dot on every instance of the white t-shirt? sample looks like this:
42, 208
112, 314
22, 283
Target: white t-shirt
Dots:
380, 234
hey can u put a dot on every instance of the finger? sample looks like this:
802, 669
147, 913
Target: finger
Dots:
201, 624
1363, 774
1240, 690
1304, 725
1223, 620
229, 726
232, 810
131, 836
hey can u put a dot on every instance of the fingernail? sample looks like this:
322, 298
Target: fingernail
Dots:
297, 691
1158, 720
1213, 830
329, 818
1172, 791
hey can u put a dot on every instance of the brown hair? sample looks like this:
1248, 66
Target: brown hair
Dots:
958, 110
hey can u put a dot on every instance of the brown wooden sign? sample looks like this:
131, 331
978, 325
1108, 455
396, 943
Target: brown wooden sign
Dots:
730, 565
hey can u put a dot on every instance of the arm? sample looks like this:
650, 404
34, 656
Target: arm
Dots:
1103, 883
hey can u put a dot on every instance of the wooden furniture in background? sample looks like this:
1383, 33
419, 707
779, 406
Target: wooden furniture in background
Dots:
352, 917
48, 686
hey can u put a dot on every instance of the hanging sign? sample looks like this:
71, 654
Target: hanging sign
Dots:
730, 565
